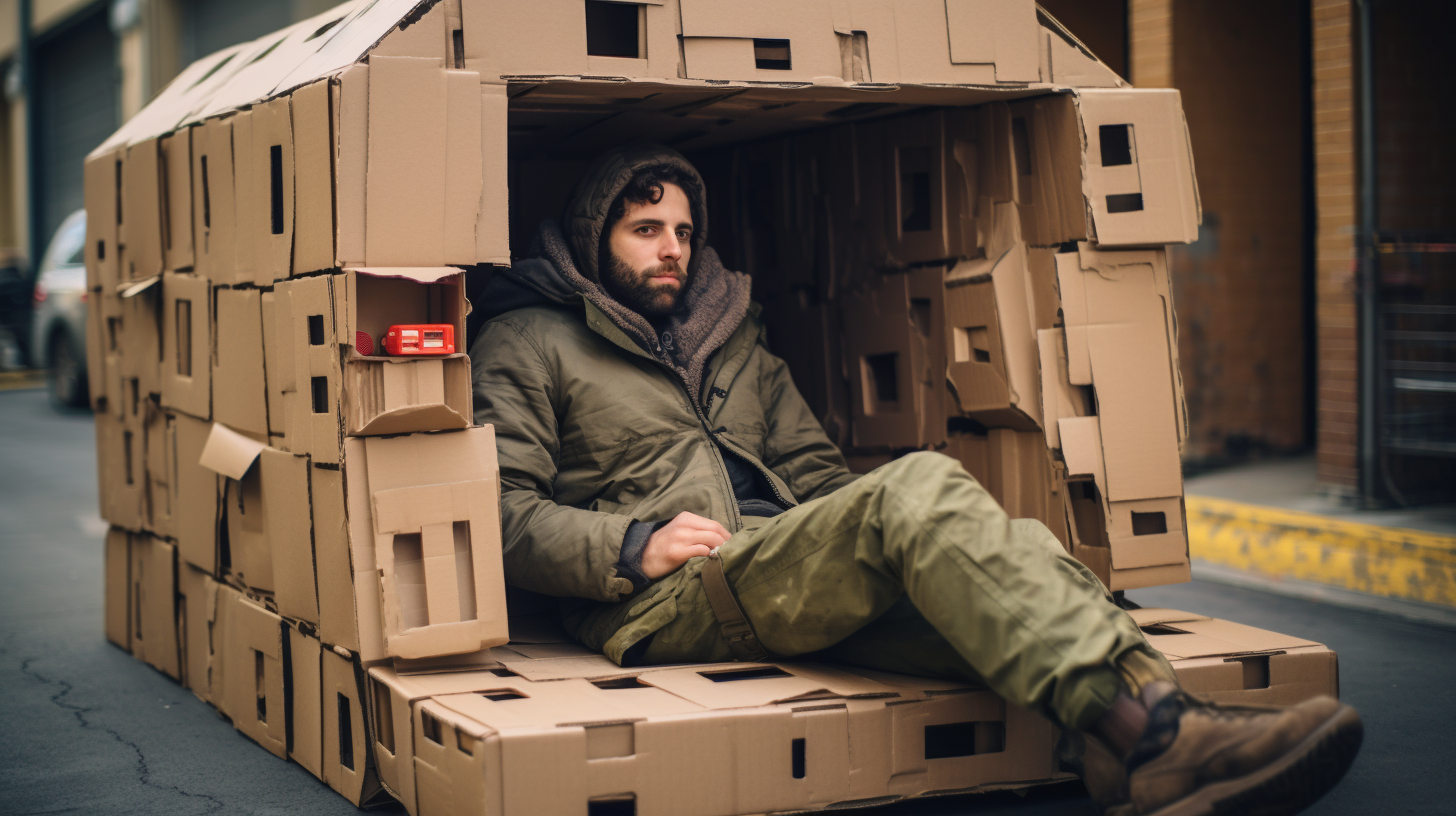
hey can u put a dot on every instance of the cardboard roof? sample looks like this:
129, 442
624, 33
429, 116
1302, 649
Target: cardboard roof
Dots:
919, 52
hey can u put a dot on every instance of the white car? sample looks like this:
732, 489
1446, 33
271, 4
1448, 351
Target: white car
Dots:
58, 325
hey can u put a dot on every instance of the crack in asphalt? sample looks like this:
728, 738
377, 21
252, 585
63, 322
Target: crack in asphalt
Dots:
144, 772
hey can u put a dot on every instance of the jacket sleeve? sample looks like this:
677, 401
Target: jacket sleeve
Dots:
547, 547
796, 448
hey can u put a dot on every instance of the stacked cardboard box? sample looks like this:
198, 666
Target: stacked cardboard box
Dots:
964, 255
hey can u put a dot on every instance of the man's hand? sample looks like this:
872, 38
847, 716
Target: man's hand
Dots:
686, 536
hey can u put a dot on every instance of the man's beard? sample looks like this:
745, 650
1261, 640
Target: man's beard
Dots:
637, 292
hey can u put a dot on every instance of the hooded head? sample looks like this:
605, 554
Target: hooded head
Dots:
585, 218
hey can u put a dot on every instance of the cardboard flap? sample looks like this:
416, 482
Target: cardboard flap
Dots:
127, 290
228, 452
1152, 616
418, 274
1082, 446
413, 417
409, 509
741, 685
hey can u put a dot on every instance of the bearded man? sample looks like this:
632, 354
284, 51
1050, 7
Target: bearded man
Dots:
662, 475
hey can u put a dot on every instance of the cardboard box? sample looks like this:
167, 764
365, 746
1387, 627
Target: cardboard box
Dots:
786, 736
990, 341
118, 587
213, 216
186, 368
200, 633
140, 342
1119, 344
373, 394
347, 766
1045, 165
141, 210
422, 192
239, 398
196, 495
102, 190
1138, 167
894, 358
176, 166
263, 152
1016, 468
1235, 664
254, 674
249, 555
159, 443
153, 622
121, 461
305, 697
423, 544
279, 394
288, 526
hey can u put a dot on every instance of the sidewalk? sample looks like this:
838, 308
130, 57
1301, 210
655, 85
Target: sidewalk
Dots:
1266, 524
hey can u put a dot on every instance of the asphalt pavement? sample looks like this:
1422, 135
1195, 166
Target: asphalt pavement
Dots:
84, 728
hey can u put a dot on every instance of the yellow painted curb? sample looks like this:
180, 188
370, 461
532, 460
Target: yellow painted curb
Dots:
1387, 561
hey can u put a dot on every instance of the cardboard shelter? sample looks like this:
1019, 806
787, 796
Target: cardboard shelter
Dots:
954, 216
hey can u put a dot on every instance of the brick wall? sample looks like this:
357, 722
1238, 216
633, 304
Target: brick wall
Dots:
1335, 196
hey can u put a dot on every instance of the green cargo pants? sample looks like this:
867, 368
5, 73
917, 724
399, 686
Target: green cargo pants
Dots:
912, 568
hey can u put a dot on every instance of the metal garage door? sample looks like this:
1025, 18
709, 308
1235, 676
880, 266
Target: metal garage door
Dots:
208, 25
79, 100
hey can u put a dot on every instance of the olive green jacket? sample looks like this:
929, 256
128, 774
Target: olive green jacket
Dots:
594, 433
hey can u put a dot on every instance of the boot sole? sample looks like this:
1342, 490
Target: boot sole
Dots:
1288, 785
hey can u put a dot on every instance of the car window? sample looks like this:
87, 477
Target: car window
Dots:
69, 245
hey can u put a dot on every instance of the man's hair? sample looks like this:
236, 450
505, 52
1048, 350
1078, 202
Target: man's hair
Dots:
646, 188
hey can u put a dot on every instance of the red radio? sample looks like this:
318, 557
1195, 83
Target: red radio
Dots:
419, 339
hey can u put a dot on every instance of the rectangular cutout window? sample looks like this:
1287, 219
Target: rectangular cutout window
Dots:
126, 455
914, 168
754, 673
463, 743
319, 390
1149, 523
384, 713
184, 338
1021, 146
613, 683
346, 733
118, 191
206, 198
796, 758
612, 806
920, 315
1124, 202
501, 695
613, 29
260, 687
964, 739
136, 600
316, 330
972, 344
1162, 629
1256, 670
878, 373
772, 55
430, 726
113, 329
464, 570
275, 181
1116, 142
457, 45
409, 580
136, 397
100, 250
610, 741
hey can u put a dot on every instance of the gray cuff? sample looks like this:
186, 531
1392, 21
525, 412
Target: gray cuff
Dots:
629, 563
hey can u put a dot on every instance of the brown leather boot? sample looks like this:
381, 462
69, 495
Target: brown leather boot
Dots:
1202, 758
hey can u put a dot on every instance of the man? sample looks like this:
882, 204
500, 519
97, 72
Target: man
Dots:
662, 475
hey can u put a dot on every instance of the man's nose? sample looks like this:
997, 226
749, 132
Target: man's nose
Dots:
669, 248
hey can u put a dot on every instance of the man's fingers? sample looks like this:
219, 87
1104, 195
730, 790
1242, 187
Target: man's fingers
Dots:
704, 538
695, 522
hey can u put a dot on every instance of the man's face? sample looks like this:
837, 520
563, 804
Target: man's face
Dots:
649, 248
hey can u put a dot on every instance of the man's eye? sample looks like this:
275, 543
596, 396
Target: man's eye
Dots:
683, 235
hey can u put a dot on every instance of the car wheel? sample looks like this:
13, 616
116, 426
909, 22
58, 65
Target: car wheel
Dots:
66, 376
